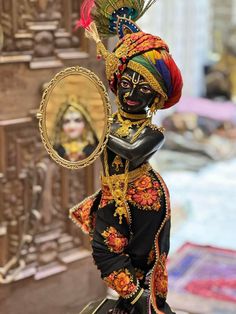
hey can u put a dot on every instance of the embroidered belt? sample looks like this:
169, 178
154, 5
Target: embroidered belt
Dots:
132, 175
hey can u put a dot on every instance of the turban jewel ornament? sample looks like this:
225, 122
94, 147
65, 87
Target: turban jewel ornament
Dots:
144, 53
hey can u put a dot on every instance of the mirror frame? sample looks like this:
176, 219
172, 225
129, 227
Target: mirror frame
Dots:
42, 116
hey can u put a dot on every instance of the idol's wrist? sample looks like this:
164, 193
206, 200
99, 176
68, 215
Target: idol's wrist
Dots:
137, 296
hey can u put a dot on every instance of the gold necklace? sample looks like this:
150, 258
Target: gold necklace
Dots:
74, 146
118, 184
126, 125
118, 189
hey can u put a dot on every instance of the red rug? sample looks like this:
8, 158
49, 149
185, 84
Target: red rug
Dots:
205, 271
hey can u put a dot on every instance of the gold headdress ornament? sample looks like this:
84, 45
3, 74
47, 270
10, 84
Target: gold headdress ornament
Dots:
112, 59
110, 18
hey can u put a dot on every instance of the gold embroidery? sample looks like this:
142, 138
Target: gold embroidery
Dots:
132, 175
144, 191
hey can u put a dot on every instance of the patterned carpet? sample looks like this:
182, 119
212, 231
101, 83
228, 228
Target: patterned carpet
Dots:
202, 279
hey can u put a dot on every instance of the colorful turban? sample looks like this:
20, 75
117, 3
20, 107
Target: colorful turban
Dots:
149, 56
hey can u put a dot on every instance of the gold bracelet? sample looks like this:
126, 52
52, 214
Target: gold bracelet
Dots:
137, 297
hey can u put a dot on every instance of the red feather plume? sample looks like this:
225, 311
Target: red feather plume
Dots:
85, 14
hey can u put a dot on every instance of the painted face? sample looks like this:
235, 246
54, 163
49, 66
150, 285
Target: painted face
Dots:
134, 92
73, 124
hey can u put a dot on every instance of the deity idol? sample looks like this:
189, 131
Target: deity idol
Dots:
128, 220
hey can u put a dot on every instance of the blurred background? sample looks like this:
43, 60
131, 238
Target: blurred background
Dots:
45, 263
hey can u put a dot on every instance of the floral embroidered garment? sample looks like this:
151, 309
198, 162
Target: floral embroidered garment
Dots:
133, 255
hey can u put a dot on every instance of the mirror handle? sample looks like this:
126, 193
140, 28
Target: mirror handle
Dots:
39, 115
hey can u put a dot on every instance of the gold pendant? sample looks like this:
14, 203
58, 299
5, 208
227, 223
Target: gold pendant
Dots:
117, 163
121, 211
123, 131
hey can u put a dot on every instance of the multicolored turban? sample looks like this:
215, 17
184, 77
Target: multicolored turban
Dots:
141, 52
149, 56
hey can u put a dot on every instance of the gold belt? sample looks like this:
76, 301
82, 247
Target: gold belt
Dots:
132, 175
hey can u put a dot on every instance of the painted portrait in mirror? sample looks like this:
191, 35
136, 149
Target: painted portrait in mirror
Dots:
74, 138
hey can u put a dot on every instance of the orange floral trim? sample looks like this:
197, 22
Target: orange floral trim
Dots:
159, 271
161, 277
166, 193
122, 282
145, 193
114, 240
140, 274
81, 214
106, 196
151, 256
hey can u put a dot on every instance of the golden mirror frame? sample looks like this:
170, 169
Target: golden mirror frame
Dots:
42, 116
1, 37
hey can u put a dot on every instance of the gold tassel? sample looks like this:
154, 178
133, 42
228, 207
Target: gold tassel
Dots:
112, 61
92, 33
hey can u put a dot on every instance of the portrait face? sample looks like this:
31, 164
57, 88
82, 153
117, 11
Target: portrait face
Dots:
73, 124
134, 92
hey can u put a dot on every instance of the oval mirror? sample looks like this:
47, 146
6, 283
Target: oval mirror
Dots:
74, 117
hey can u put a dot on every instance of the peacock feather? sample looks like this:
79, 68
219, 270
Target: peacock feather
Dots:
106, 14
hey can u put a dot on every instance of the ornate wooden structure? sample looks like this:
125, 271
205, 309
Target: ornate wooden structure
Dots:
40, 32
36, 237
